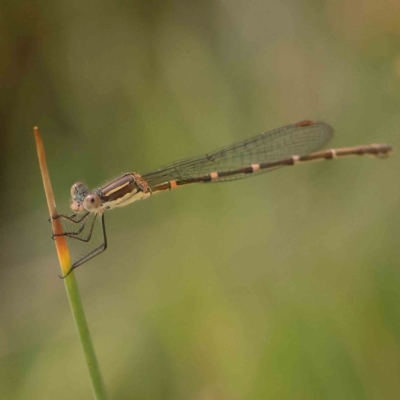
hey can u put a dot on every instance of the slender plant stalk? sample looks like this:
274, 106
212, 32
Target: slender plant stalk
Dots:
70, 281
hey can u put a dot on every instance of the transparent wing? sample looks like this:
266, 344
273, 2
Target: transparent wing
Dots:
278, 144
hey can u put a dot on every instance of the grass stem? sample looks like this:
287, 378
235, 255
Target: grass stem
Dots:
70, 282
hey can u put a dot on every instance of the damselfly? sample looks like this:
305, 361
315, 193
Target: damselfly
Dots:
289, 145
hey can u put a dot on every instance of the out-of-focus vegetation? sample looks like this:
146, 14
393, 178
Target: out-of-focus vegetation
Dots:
284, 286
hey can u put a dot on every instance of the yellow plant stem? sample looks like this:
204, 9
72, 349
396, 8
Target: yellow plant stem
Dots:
70, 282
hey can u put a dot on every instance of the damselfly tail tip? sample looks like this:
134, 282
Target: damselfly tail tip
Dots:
381, 150
388, 151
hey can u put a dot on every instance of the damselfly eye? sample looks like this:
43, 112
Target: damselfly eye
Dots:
74, 188
91, 202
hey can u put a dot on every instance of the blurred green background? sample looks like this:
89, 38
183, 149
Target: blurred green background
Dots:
284, 286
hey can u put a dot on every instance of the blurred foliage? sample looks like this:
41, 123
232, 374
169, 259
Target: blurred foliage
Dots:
284, 286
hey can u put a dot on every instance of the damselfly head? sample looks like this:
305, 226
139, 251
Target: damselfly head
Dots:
78, 193
91, 202
84, 200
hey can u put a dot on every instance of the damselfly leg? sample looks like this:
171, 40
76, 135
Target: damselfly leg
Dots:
82, 230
